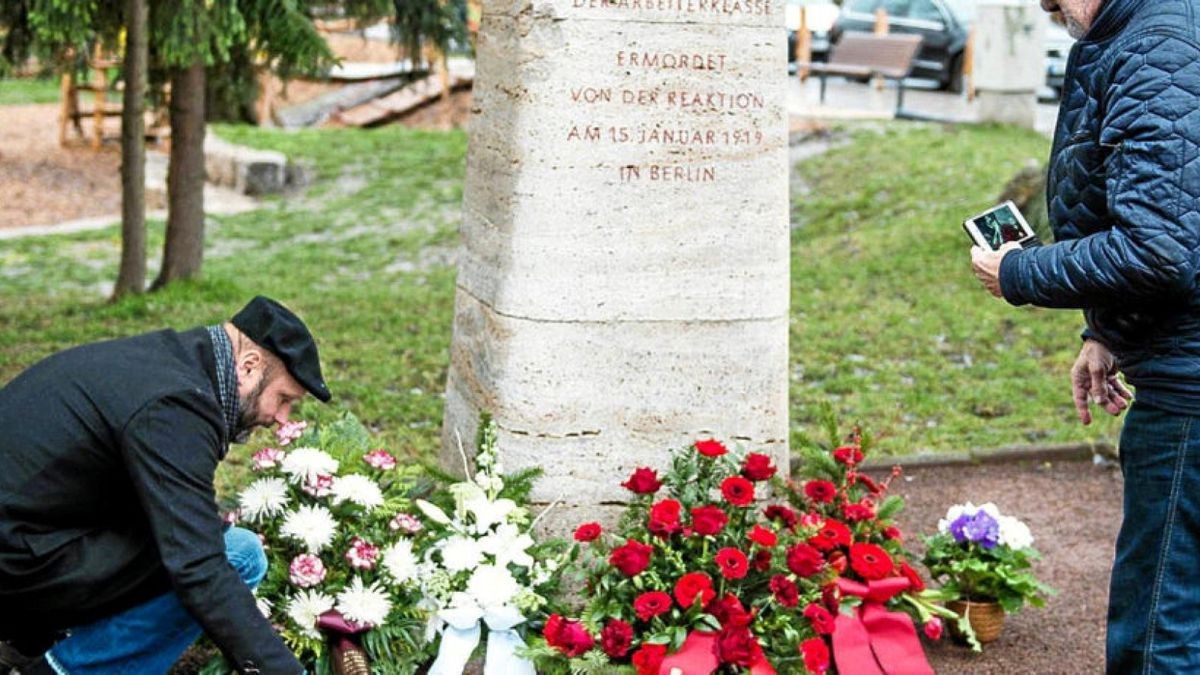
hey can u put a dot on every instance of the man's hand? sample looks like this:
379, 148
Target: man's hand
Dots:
1094, 378
986, 265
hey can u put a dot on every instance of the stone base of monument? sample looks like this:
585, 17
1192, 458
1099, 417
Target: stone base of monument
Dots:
1006, 107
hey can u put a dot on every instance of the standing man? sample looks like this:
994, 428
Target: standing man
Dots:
1124, 203
113, 557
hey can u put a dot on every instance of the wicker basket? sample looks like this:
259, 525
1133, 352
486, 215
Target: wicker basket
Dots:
986, 618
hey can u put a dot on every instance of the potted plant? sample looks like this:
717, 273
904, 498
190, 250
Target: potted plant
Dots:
983, 560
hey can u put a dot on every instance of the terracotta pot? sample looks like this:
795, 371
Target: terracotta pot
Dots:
986, 618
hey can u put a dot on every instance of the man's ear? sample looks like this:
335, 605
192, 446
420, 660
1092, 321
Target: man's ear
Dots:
249, 360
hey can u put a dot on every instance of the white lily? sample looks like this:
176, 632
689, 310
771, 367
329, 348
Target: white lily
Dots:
509, 545
434, 513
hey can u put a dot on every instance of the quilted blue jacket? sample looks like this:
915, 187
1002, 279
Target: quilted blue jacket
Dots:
1124, 198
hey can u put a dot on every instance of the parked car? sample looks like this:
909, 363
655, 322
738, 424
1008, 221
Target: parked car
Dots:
942, 24
819, 16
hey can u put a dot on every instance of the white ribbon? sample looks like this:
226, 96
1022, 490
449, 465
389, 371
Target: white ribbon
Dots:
462, 634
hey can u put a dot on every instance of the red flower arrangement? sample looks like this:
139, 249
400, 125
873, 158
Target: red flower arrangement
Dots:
696, 577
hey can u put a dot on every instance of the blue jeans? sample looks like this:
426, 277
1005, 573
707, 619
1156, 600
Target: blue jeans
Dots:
151, 637
1154, 595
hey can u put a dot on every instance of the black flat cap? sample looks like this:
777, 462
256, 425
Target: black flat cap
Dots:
275, 328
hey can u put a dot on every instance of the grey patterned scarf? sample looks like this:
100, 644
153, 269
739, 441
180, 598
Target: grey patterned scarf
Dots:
226, 378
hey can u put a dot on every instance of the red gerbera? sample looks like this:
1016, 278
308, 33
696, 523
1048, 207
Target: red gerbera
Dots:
568, 637
804, 560
728, 611
732, 562
587, 532
785, 590
820, 491
758, 467
631, 558
664, 518
737, 491
650, 604
708, 520
892, 532
816, 655
711, 448
762, 536
648, 659
691, 586
833, 533
870, 561
643, 482
616, 638
822, 620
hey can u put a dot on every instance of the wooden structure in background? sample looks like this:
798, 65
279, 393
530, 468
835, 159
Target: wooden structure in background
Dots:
881, 28
70, 112
803, 46
968, 65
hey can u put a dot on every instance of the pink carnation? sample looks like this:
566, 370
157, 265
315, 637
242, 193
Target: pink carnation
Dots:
406, 524
321, 487
380, 459
362, 554
267, 458
306, 570
290, 431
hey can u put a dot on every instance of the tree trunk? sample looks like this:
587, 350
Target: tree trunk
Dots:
183, 251
131, 278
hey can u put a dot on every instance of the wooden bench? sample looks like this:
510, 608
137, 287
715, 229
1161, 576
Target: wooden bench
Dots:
866, 54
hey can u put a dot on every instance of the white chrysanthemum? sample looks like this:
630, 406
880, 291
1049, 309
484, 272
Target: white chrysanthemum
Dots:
358, 489
305, 464
461, 553
264, 498
399, 561
312, 525
364, 604
305, 608
1014, 533
491, 585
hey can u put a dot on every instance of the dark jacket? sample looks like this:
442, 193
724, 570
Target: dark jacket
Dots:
106, 494
1124, 198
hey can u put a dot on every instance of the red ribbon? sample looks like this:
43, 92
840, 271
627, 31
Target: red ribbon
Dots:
874, 641
698, 656
342, 628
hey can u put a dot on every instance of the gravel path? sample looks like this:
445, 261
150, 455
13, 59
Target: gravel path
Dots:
1074, 511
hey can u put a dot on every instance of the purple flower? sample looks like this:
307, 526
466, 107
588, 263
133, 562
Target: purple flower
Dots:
978, 527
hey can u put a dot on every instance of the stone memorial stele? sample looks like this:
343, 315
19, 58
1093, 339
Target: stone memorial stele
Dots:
624, 271
1009, 60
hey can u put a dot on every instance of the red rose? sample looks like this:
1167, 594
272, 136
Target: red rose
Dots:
822, 620
781, 513
933, 628
588, 532
762, 536
616, 638
631, 558
762, 560
848, 455
758, 467
870, 561
858, 512
728, 611
820, 491
833, 533
648, 659
568, 637
736, 645
643, 482
664, 518
892, 533
737, 491
837, 560
711, 448
691, 586
785, 590
916, 583
804, 560
651, 604
708, 520
816, 655
732, 562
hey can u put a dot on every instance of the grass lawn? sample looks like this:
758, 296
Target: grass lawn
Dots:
28, 90
887, 320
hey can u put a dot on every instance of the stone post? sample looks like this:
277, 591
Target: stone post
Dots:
1010, 60
624, 274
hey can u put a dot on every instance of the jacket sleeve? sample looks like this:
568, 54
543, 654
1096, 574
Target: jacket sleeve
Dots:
1153, 186
171, 451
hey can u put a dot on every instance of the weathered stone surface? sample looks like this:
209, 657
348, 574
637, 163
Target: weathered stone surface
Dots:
1009, 55
248, 171
623, 285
